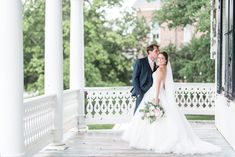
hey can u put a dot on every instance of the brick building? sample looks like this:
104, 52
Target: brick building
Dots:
161, 33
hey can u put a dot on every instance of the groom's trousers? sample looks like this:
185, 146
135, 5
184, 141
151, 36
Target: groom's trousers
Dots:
138, 100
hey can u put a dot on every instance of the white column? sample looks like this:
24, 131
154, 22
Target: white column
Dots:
77, 80
54, 62
11, 76
76, 45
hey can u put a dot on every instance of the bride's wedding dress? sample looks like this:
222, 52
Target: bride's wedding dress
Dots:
172, 133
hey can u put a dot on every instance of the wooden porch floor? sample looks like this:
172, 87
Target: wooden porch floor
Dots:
102, 143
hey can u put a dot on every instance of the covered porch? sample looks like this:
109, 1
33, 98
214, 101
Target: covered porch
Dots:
59, 118
108, 144
112, 105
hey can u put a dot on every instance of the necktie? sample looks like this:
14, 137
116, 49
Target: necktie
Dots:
154, 66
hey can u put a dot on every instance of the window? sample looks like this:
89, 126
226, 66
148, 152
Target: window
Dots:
155, 30
187, 33
229, 86
219, 48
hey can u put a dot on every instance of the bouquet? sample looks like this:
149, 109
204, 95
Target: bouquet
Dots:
152, 111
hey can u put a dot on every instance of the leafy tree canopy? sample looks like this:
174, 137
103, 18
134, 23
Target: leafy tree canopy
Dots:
183, 12
109, 45
192, 62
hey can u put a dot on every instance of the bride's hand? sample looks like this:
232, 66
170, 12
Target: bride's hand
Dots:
157, 100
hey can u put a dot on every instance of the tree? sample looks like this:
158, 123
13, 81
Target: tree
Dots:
33, 37
192, 61
183, 12
199, 67
106, 47
109, 42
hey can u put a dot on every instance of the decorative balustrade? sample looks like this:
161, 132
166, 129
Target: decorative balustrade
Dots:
102, 105
39, 119
38, 122
108, 105
115, 104
195, 98
70, 102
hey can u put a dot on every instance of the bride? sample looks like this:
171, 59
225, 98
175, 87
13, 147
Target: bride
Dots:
170, 134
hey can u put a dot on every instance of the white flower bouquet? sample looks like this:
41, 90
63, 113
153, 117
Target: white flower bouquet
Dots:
152, 111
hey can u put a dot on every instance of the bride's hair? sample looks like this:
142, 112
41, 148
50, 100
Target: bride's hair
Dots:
165, 55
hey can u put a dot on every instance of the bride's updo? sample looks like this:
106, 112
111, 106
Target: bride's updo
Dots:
165, 55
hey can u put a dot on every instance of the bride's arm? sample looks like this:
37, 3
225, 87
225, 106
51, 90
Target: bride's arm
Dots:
159, 79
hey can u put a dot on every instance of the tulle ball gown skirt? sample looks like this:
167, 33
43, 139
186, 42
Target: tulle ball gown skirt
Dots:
170, 134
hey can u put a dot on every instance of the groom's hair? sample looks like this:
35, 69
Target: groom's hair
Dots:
151, 47
165, 55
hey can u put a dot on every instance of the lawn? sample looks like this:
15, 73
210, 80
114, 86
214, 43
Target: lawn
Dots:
189, 117
100, 126
200, 117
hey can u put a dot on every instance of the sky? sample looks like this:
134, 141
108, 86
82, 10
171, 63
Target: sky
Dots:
128, 3
115, 12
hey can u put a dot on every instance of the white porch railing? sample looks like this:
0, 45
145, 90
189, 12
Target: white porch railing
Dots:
196, 98
39, 119
115, 104
108, 105
102, 105
70, 102
38, 122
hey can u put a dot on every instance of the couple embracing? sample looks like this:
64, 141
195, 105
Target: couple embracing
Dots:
171, 134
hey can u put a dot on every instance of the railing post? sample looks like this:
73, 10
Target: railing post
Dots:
77, 78
11, 84
54, 62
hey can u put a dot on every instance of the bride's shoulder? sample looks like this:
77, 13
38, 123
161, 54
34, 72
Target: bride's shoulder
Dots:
161, 72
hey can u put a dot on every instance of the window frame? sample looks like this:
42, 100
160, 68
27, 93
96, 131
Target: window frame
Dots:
229, 84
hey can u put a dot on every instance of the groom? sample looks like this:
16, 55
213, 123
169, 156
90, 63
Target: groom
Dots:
142, 74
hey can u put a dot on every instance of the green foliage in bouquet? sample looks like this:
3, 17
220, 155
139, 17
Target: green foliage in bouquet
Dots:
152, 111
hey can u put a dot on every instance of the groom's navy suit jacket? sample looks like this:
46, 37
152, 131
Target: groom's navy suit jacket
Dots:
142, 77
